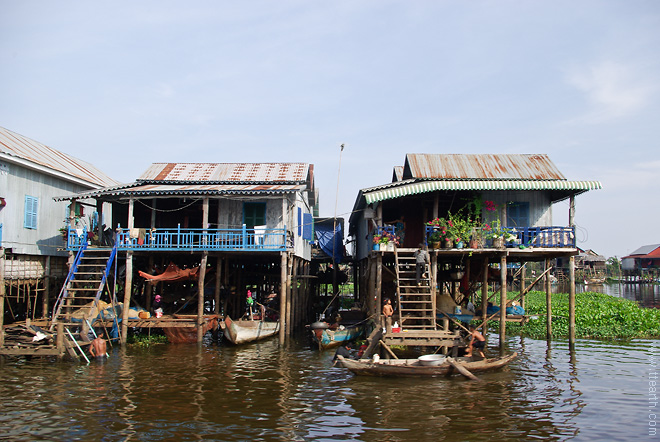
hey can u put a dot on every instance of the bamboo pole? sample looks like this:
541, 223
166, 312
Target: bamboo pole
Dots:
502, 301
283, 273
128, 284
2, 296
548, 300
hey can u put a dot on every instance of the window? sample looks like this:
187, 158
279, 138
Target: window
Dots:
30, 215
254, 214
517, 215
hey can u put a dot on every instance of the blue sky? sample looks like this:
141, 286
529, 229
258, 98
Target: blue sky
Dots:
123, 84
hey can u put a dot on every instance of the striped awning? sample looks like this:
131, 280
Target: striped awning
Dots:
395, 191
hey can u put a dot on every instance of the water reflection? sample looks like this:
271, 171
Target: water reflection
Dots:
647, 295
268, 392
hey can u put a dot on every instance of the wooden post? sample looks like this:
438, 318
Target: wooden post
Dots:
283, 278
202, 273
218, 283
484, 292
522, 284
289, 295
46, 296
571, 302
548, 301
502, 301
200, 296
571, 278
2, 296
128, 284
59, 340
379, 285
436, 204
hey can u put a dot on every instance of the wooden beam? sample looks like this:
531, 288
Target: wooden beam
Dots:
548, 300
503, 273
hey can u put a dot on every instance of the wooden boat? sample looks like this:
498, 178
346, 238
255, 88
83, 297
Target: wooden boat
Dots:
415, 367
246, 330
329, 337
188, 335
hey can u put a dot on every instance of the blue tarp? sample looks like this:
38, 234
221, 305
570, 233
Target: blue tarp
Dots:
332, 245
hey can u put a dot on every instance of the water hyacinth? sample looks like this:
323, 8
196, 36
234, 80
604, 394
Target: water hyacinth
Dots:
597, 315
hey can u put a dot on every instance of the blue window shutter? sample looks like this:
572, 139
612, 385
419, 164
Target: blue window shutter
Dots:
307, 226
30, 215
299, 221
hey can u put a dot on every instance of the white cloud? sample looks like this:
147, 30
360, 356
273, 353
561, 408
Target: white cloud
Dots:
614, 90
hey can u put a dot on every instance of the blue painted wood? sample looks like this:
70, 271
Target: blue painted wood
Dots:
268, 240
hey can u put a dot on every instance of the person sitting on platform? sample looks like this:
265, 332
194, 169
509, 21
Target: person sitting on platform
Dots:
477, 341
344, 351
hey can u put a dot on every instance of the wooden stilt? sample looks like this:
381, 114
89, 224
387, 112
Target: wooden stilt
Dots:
548, 300
502, 301
571, 301
283, 278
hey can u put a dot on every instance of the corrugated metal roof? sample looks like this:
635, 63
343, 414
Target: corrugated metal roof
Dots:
412, 187
23, 148
481, 166
644, 250
138, 189
397, 174
227, 172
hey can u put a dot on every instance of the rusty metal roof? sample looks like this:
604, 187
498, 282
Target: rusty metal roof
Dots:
481, 166
170, 189
33, 154
228, 172
397, 174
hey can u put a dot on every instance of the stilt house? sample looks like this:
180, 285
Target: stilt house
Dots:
229, 227
481, 217
32, 224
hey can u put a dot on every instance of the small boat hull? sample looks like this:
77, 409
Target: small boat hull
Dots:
327, 338
243, 331
188, 335
413, 368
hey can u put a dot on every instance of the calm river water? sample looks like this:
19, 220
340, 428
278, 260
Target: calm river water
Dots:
264, 392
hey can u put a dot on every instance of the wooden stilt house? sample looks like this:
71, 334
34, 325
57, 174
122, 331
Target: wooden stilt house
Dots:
231, 227
490, 214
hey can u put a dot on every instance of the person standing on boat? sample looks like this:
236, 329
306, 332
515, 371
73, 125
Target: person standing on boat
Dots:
477, 341
421, 258
388, 311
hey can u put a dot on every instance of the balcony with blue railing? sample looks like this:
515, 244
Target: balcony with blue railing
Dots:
182, 239
531, 237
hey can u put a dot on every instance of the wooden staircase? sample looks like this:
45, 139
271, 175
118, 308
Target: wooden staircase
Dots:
416, 303
82, 290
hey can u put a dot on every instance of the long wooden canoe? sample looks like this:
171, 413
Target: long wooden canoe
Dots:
412, 367
242, 330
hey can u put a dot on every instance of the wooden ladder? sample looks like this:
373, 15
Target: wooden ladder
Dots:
416, 306
83, 287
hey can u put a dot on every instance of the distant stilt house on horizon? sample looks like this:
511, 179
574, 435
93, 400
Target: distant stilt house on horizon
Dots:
643, 263
482, 218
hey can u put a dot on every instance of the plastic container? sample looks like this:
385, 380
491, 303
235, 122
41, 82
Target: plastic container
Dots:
457, 310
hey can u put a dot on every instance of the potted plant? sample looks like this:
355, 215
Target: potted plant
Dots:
435, 239
498, 234
460, 227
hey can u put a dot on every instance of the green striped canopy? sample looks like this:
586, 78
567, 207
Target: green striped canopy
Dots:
399, 189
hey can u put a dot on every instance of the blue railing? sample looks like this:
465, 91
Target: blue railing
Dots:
258, 239
547, 236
